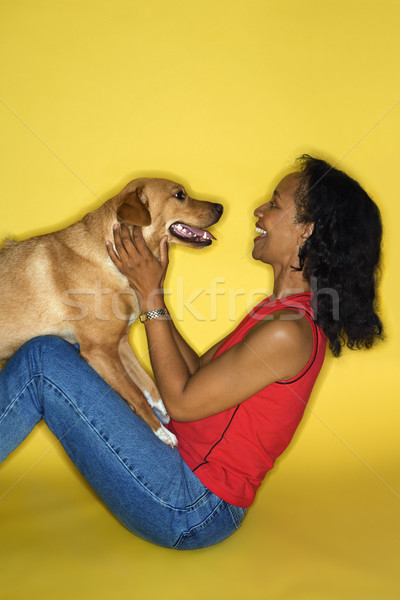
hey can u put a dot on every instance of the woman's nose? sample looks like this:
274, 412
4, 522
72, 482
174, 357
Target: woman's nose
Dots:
259, 212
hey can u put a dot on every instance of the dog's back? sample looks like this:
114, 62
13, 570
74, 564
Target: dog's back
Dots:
30, 304
39, 277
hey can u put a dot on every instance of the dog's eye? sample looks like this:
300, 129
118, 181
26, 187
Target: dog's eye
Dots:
180, 195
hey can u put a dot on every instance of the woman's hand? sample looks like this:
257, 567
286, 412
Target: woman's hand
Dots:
144, 271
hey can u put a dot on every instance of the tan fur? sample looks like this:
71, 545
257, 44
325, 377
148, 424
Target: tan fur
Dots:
65, 284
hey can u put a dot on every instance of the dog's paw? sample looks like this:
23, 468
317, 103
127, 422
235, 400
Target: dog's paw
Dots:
158, 407
166, 436
161, 412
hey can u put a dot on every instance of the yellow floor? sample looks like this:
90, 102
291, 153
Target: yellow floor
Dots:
310, 535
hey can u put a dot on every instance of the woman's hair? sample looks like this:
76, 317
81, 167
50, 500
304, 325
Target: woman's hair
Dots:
341, 259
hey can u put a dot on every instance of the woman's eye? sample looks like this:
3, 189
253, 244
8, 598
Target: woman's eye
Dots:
180, 195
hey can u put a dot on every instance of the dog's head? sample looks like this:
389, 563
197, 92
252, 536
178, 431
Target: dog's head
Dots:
162, 207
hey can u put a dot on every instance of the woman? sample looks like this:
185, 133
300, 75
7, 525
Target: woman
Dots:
234, 409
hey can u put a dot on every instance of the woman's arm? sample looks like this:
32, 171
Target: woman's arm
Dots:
190, 357
271, 351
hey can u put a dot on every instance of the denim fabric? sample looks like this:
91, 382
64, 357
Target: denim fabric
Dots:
146, 484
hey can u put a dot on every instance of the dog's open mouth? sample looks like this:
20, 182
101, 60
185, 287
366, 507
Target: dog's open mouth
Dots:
186, 233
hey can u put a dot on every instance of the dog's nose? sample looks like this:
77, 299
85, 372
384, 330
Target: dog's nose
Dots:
218, 208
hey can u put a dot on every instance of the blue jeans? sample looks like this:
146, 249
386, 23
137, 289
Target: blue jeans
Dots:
146, 484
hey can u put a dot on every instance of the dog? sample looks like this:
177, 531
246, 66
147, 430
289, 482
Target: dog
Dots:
65, 284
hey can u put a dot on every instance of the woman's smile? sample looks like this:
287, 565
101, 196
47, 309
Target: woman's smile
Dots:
276, 224
262, 231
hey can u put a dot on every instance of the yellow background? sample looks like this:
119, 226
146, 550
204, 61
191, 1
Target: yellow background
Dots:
222, 95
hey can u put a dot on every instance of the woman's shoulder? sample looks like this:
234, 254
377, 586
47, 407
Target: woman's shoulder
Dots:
283, 324
286, 334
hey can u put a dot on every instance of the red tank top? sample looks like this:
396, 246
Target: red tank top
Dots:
231, 452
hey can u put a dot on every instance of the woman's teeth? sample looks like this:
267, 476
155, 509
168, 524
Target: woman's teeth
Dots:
259, 230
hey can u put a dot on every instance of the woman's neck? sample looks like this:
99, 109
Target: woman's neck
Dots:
288, 283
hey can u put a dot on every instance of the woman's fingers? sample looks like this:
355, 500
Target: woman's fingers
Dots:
122, 237
164, 259
112, 254
135, 260
128, 253
141, 246
118, 241
118, 252
128, 250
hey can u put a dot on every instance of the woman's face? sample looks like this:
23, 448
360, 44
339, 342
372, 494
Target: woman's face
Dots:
279, 235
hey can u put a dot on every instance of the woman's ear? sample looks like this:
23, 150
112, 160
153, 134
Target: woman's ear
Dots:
307, 232
133, 210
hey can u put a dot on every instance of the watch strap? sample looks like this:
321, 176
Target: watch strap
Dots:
153, 314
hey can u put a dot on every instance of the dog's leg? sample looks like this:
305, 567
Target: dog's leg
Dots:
141, 378
109, 366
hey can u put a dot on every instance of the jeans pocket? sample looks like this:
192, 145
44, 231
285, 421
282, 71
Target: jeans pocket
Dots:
216, 527
237, 513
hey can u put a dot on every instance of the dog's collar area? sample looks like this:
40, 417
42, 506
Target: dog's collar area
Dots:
191, 234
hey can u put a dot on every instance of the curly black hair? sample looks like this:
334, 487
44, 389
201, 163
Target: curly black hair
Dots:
341, 259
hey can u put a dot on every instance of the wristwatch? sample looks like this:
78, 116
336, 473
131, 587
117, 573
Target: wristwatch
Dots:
153, 314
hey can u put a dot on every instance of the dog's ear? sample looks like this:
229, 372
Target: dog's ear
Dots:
133, 210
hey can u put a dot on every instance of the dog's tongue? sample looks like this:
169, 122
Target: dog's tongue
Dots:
191, 232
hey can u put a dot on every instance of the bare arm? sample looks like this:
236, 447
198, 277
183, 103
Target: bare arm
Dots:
190, 357
271, 351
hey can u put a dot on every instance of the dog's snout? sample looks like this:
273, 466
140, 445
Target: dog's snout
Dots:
219, 209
